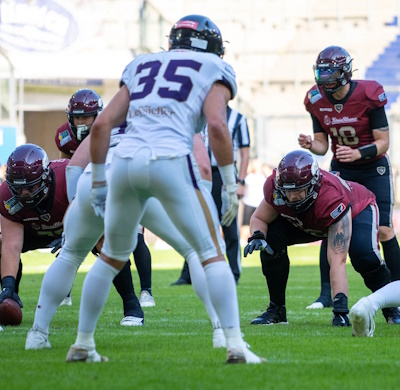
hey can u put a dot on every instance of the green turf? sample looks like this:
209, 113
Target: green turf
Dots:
173, 350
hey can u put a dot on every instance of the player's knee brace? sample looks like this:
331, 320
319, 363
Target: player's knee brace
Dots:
377, 278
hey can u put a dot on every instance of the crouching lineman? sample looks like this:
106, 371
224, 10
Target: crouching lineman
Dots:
303, 203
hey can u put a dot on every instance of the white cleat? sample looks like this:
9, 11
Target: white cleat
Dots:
1, 329
315, 305
79, 354
67, 301
219, 340
146, 299
362, 318
132, 321
37, 339
241, 354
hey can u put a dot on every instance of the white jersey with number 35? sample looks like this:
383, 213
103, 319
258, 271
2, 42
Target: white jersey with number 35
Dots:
167, 91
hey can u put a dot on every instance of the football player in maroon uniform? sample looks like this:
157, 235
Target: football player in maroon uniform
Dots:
303, 203
32, 208
83, 108
351, 114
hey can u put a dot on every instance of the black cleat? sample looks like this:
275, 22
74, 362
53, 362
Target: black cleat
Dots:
340, 319
274, 315
392, 315
180, 282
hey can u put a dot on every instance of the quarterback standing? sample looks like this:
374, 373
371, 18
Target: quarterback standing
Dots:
351, 114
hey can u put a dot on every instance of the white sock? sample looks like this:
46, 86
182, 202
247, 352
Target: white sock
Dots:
95, 290
222, 291
387, 296
199, 283
57, 283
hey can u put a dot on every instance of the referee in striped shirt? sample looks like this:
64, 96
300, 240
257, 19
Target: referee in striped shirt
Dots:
237, 124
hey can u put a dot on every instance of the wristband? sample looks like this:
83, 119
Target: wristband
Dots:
98, 172
228, 175
8, 282
368, 151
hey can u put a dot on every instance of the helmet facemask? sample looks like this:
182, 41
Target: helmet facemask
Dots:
333, 69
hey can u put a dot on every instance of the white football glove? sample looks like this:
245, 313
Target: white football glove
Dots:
230, 204
98, 196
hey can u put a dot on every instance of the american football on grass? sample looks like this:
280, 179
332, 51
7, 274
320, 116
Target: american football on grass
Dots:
10, 313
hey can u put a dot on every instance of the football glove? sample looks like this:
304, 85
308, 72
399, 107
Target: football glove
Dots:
257, 242
98, 196
56, 244
230, 204
8, 293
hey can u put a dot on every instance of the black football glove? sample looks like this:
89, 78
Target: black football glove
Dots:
56, 244
257, 242
8, 290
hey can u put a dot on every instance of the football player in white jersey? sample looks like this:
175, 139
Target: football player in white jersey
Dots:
78, 243
165, 98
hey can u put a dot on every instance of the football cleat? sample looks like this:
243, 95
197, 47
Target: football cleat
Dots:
274, 315
37, 339
146, 299
132, 321
321, 302
362, 318
67, 301
79, 354
241, 354
340, 319
219, 340
392, 315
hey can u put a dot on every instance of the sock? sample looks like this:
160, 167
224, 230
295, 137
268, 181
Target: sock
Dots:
387, 296
56, 284
199, 284
391, 253
324, 269
124, 285
95, 290
142, 259
222, 291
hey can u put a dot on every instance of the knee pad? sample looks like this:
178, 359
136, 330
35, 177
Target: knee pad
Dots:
377, 278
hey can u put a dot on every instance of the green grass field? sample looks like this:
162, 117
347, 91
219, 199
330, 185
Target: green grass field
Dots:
173, 350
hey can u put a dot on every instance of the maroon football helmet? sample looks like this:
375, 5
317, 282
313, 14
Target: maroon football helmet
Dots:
298, 170
197, 33
28, 169
333, 69
84, 102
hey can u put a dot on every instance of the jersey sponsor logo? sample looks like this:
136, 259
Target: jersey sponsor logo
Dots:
338, 211
381, 170
328, 109
30, 219
152, 111
382, 97
327, 120
338, 107
345, 119
12, 206
64, 137
314, 96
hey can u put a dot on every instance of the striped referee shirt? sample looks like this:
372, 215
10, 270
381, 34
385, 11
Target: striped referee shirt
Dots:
237, 125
